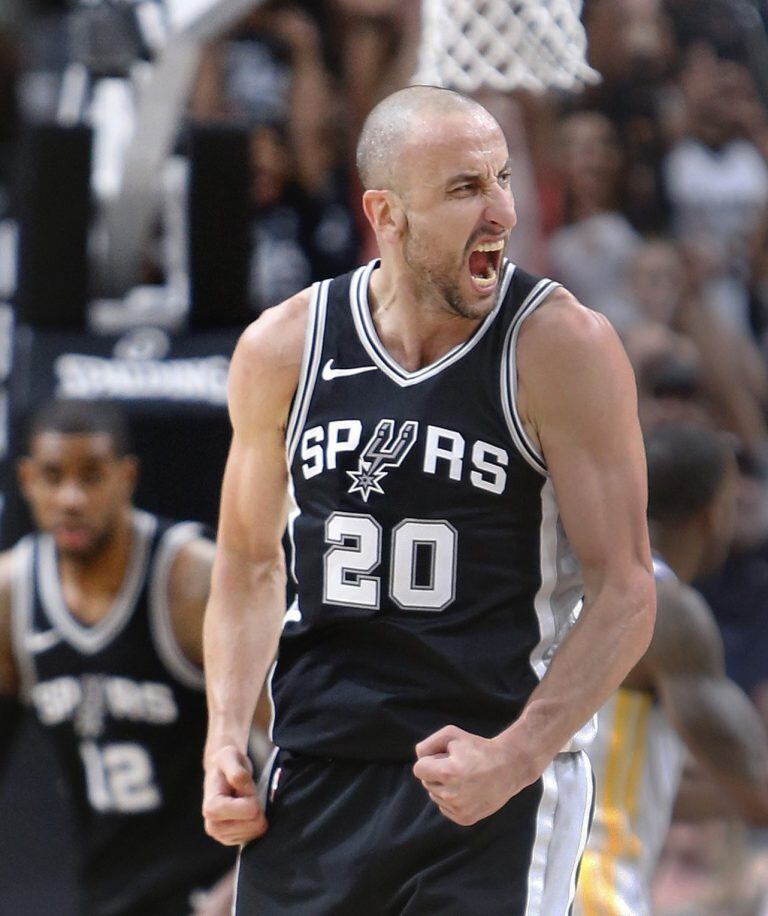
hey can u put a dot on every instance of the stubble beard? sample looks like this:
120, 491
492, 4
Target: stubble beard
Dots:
439, 283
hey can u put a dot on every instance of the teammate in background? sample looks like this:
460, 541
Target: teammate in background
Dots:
677, 696
100, 633
465, 464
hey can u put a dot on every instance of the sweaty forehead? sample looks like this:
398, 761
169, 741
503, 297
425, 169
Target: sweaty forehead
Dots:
441, 147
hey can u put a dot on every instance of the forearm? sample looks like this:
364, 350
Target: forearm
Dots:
609, 638
727, 738
242, 628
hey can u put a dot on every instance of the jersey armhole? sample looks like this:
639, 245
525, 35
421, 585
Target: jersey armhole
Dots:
525, 446
313, 348
161, 624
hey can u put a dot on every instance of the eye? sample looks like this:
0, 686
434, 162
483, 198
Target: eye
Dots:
504, 177
91, 477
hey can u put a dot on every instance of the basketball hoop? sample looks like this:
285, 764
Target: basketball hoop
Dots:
503, 45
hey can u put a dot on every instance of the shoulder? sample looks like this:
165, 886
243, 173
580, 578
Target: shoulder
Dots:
189, 581
570, 361
276, 338
267, 360
562, 327
191, 563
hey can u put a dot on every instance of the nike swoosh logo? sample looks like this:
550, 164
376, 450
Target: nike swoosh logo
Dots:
329, 372
41, 642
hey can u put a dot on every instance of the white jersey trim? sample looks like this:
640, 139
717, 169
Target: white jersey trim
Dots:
520, 437
22, 603
310, 364
313, 348
369, 338
91, 639
161, 624
559, 599
542, 602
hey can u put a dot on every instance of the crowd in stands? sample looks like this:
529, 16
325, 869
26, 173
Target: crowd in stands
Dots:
646, 195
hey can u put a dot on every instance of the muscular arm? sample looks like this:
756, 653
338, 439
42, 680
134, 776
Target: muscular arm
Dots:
577, 398
710, 712
247, 603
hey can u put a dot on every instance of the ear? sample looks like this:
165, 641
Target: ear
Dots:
385, 212
130, 468
24, 475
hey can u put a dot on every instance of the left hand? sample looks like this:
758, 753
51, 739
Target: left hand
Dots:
466, 776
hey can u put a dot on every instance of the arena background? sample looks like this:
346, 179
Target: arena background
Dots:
169, 169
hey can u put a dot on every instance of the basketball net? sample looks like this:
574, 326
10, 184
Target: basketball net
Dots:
503, 45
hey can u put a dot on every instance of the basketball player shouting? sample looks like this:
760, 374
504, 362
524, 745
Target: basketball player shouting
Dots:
464, 466
101, 632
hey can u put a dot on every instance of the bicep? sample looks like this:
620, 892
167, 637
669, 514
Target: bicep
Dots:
254, 495
591, 441
263, 378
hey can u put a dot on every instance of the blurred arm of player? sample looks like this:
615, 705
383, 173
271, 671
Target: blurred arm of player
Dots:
715, 718
247, 604
10, 706
578, 401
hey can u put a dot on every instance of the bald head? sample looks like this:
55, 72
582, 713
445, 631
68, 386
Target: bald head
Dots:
406, 117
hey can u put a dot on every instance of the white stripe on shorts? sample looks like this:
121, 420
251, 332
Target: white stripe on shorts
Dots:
562, 827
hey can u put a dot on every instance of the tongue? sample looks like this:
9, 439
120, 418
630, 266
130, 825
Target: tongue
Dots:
479, 263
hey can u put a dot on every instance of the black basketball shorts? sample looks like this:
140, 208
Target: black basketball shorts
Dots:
360, 839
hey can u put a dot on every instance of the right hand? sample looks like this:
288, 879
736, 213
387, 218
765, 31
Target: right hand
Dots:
231, 809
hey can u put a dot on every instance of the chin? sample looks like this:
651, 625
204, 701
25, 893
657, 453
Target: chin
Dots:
479, 306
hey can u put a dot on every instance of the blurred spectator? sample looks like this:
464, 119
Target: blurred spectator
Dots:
271, 71
631, 43
271, 76
668, 372
297, 238
717, 178
590, 254
661, 287
738, 594
378, 51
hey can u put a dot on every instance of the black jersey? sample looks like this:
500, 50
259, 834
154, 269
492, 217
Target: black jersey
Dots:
126, 713
433, 577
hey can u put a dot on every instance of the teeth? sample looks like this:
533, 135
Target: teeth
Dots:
488, 280
490, 246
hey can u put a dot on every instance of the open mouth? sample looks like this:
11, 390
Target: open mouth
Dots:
484, 262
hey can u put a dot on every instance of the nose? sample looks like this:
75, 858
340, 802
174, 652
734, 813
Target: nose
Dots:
500, 208
71, 496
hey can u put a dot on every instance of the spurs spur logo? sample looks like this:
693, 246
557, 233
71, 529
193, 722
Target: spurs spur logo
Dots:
385, 449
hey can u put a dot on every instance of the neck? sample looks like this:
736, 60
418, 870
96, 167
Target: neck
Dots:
679, 548
416, 326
